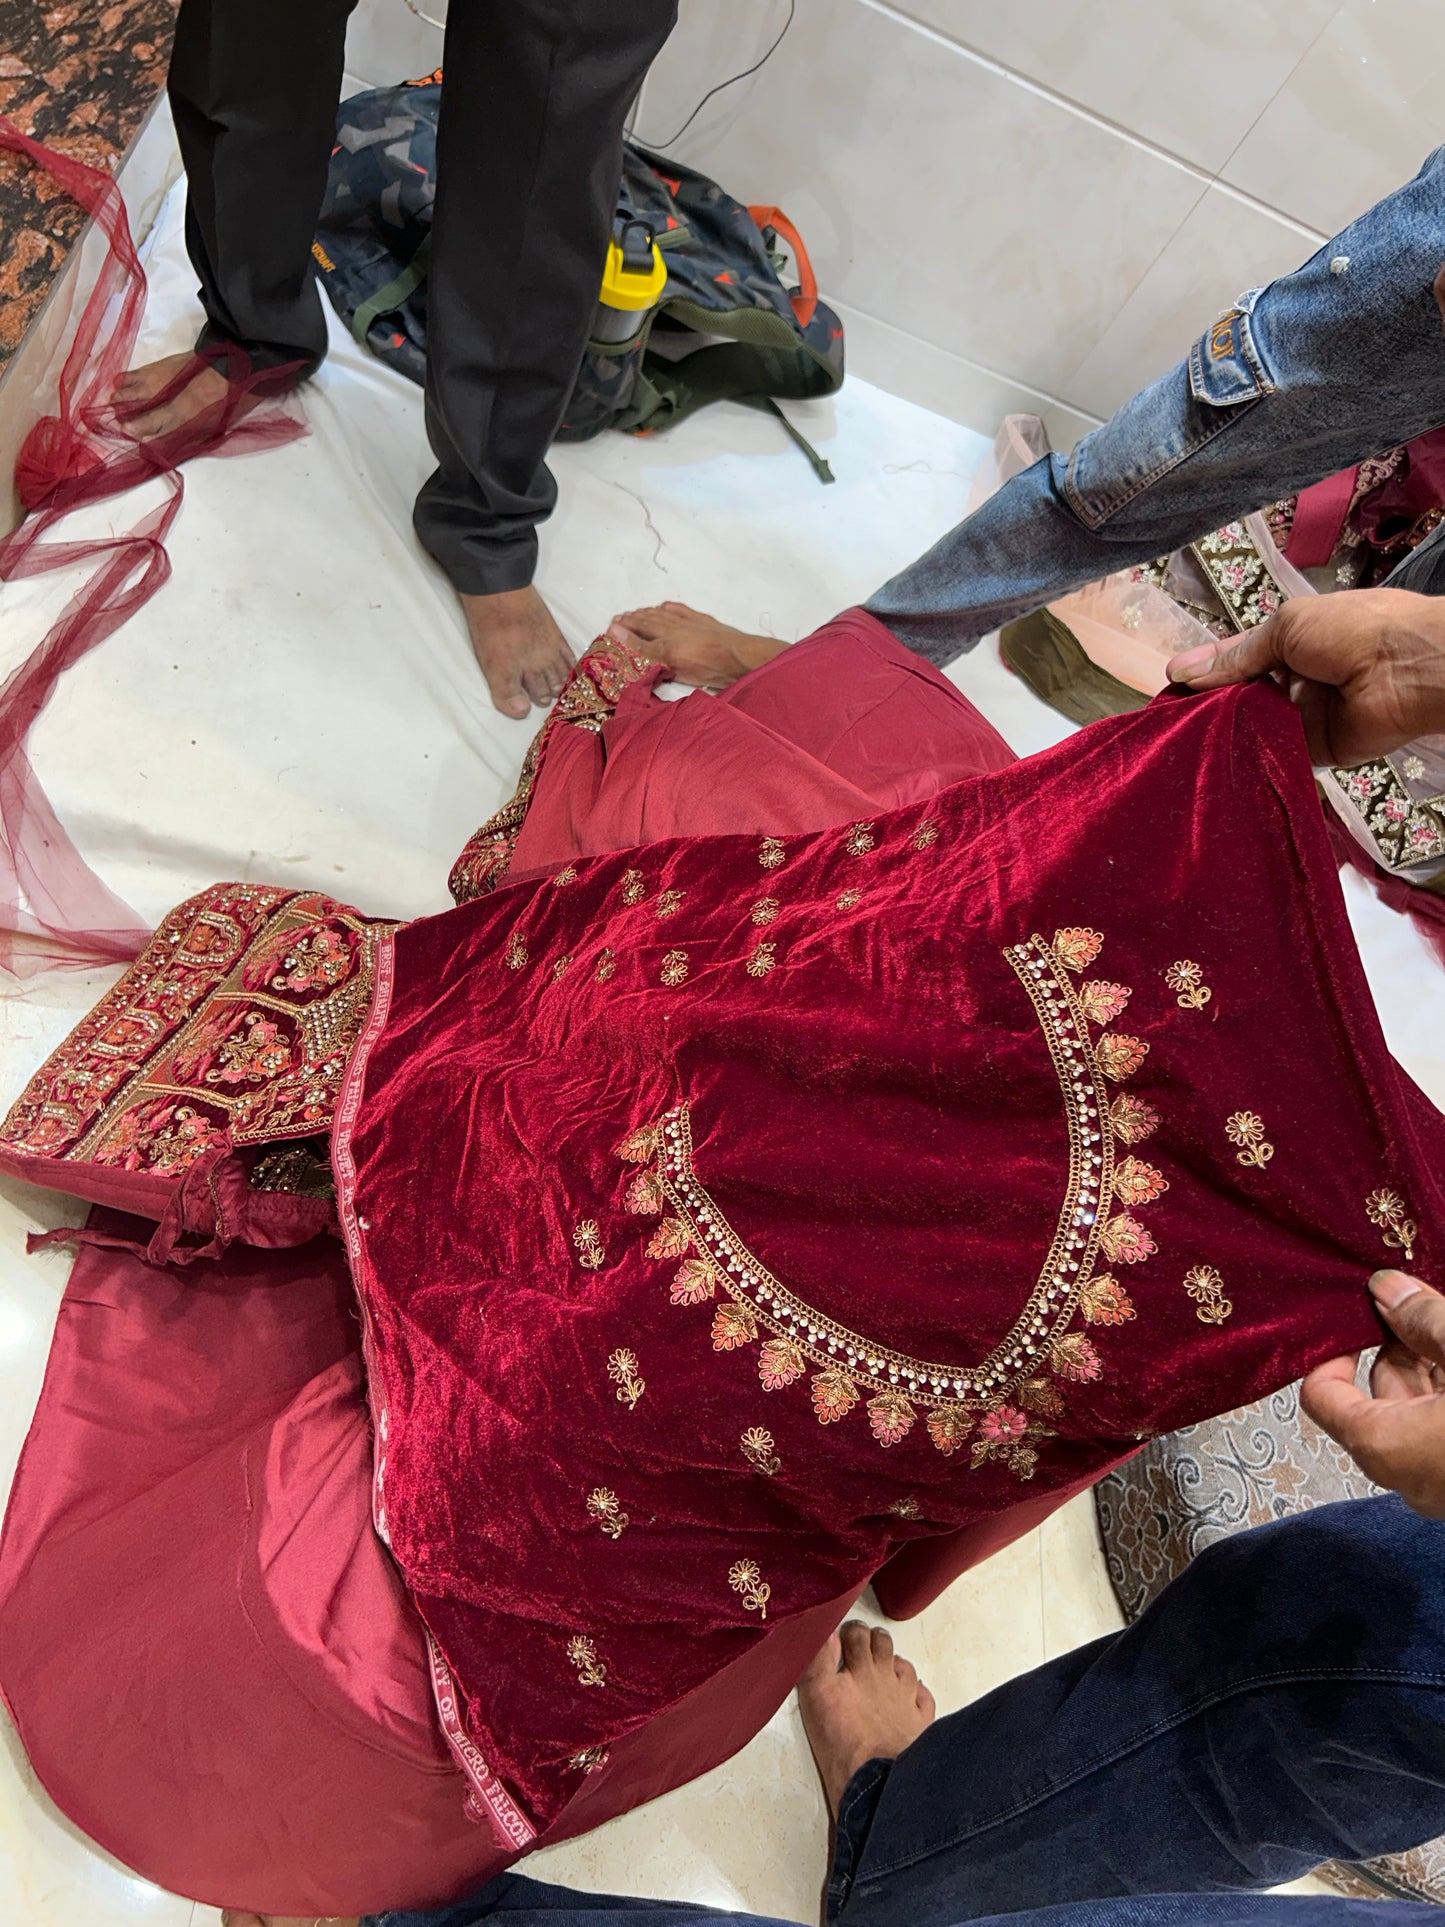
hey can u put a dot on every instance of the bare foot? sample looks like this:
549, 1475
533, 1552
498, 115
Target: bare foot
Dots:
523, 654
205, 393
696, 648
238, 1917
860, 1702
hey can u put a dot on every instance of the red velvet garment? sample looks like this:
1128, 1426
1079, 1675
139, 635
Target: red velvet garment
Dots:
997, 1131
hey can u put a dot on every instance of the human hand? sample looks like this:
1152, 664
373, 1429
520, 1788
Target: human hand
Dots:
1395, 1432
1365, 668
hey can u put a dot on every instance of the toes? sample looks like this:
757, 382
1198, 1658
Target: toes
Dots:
927, 1705
882, 1644
857, 1645
538, 685
509, 696
827, 1661
905, 1670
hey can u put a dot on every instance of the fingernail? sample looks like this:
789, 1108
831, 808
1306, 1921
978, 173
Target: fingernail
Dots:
1192, 663
1392, 1288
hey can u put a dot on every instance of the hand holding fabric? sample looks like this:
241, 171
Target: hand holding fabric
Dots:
1366, 670
1395, 1432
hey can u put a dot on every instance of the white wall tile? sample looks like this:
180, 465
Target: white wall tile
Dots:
1224, 246
1355, 119
1167, 70
387, 43
932, 191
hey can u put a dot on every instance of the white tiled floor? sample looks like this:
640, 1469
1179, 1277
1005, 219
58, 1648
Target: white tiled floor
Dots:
300, 703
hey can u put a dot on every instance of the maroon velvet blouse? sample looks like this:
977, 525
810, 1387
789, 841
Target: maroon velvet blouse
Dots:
904, 1170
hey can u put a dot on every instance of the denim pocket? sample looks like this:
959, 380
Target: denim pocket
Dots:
1224, 377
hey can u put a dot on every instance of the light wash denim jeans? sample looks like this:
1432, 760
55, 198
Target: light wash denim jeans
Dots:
1281, 1703
1342, 359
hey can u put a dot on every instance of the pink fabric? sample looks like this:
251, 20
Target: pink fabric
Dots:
212, 1663
54, 909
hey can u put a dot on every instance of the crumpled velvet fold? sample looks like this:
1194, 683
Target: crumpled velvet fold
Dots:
889, 1130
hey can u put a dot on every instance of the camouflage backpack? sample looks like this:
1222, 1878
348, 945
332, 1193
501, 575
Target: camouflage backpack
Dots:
725, 326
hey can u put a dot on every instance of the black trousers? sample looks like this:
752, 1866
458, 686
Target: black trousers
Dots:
529, 154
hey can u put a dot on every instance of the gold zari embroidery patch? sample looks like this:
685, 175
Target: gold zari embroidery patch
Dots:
1397, 1229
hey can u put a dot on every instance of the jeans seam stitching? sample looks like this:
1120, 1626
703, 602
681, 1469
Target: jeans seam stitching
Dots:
1143, 1738
1146, 482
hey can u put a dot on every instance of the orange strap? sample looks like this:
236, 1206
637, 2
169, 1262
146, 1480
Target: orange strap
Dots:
805, 301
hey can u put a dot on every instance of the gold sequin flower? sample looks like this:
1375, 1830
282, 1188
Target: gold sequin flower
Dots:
850, 899
516, 951
588, 1240
758, 1450
606, 964
925, 836
1205, 1286
745, 1578
762, 959
634, 889
1246, 1129
765, 910
674, 968
622, 1370
606, 1509
771, 854
568, 874
668, 904
1398, 1230
591, 1671
1186, 979
860, 839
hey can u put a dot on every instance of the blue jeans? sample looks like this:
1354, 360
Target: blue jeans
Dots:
1281, 1703
1300, 379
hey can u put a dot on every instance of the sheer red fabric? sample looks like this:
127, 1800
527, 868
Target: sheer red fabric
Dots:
54, 909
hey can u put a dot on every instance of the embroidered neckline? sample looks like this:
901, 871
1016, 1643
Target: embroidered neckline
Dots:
757, 1302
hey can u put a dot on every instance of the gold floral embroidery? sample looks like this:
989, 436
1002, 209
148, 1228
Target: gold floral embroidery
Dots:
561, 967
588, 1240
622, 1370
1119, 1057
1206, 1288
762, 959
1124, 1241
694, 1281
606, 964
1187, 979
1073, 1357
645, 1195
674, 968
1042, 1396
591, 1671
516, 951
634, 889
1246, 1129
1005, 1433
758, 1450
772, 855
765, 910
591, 1759
850, 899
1101, 1001
925, 836
1077, 949
669, 903
733, 1326
860, 839
890, 1417
1104, 1301
670, 1240
908, 1508
1133, 1120
781, 1363
1136, 1182
605, 1507
638, 1146
745, 1578
1398, 1230
566, 875
949, 1427
834, 1395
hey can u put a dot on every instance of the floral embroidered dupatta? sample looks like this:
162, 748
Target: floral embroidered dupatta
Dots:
732, 1214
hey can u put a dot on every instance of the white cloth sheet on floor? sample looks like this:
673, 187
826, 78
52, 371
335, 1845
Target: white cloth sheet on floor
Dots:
300, 705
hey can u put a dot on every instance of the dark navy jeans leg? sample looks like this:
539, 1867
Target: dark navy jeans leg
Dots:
1281, 1703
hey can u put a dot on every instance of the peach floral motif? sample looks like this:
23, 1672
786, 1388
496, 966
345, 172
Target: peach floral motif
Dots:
834, 1396
948, 1427
670, 1240
1102, 1001
1119, 1056
638, 1146
1104, 1301
1077, 948
1136, 1182
733, 1326
890, 1417
1073, 1357
1125, 1241
1133, 1120
1041, 1395
780, 1363
645, 1194
693, 1282
1002, 1424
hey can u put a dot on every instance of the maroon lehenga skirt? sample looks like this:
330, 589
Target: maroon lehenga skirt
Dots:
212, 1661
